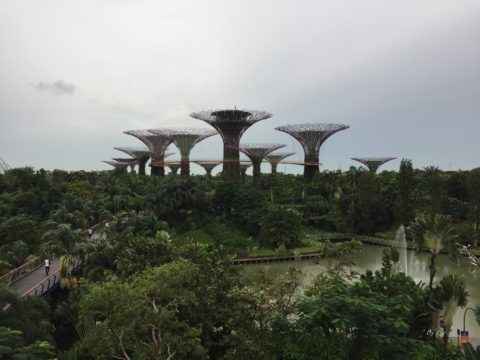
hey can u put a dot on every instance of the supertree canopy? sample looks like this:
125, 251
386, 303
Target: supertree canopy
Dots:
174, 166
231, 124
208, 165
117, 165
141, 154
311, 137
131, 162
256, 153
373, 163
157, 144
274, 159
185, 139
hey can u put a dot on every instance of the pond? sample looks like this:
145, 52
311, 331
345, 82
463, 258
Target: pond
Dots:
417, 267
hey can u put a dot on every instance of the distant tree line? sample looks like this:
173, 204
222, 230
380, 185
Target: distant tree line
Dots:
149, 291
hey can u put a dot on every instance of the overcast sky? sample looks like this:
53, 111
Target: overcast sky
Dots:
404, 74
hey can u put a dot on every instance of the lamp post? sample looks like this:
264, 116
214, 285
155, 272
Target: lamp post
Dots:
465, 315
464, 333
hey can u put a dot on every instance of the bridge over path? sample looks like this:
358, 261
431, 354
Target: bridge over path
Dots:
31, 279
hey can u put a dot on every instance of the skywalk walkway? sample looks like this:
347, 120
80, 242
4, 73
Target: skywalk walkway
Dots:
35, 281
31, 279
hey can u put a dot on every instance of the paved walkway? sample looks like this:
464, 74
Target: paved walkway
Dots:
36, 278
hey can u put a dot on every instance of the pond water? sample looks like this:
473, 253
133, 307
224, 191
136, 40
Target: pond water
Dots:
417, 267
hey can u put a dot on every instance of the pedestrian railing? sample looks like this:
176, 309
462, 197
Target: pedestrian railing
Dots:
25, 269
330, 237
49, 283
21, 271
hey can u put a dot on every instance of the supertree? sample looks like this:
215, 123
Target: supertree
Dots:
274, 159
117, 165
231, 124
174, 166
185, 139
3, 166
311, 137
141, 154
244, 165
157, 144
373, 163
208, 166
131, 162
256, 153
160, 164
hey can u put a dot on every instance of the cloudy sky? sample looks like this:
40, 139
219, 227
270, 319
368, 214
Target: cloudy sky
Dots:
404, 74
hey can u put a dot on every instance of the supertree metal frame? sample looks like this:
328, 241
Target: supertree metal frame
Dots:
141, 154
185, 139
3, 166
231, 124
256, 153
244, 165
373, 163
311, 137
117, 165
132, 162
157, 144
274, 159
174, 166
208, 166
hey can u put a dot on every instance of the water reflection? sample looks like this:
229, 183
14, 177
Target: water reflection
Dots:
371, 258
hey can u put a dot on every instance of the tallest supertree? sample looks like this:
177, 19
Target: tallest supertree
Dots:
231, 124
311, 137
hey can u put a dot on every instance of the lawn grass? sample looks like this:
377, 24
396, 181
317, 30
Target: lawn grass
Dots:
306, 247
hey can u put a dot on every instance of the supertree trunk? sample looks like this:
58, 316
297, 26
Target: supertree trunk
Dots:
157, 171
231, 156
311, 167
243, 170
141, 166
274, 169
185, 166
257, 176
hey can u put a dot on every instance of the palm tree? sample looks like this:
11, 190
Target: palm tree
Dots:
353, 174
96, 255
431, 170
435, 233
450, 294
477, 314
62, 241
470, 353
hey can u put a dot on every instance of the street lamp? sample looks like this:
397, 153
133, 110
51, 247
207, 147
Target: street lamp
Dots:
464, 334
465, 314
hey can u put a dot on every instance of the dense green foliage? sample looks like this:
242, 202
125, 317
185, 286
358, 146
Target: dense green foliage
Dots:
157, 281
